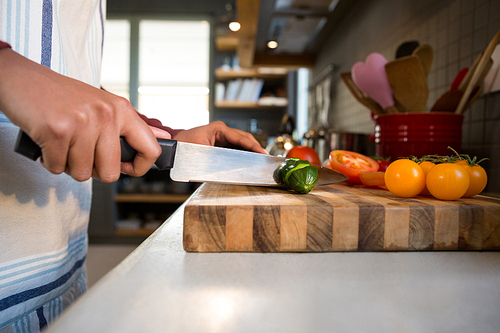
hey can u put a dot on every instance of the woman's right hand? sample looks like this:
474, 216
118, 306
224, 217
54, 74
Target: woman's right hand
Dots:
76, 125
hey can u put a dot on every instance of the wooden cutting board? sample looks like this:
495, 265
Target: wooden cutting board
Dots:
236, 218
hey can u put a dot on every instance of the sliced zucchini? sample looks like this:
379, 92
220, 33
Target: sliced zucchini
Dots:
297, 175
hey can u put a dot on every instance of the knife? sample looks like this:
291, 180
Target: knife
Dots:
190, 162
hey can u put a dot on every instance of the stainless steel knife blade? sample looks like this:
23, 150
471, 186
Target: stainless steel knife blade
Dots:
199, 163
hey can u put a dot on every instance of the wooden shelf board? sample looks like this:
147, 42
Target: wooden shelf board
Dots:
226, 43
248, 73
152, 198
142, 232
246, 105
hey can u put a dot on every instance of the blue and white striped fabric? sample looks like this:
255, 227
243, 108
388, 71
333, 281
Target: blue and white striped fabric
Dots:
44, 217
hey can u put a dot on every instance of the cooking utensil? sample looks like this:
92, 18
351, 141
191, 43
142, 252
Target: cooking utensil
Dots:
406, 48
371, 78
478, 73
229, 218
473, 96
361, 96
448, 101
471, 71
425, 53
198, 163
459, 78
408, 83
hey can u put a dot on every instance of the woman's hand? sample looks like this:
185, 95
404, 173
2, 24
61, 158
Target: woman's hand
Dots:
76, 125
218, 134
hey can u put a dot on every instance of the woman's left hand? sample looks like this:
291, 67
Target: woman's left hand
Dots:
218, 134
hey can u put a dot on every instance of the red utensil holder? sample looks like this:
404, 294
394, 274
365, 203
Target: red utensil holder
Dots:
417, 134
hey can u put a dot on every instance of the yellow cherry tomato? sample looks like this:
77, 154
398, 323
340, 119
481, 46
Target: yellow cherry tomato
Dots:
447, 181
404, 178
426, 166
478, 178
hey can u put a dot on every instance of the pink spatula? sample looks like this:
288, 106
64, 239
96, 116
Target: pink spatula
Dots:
371, 78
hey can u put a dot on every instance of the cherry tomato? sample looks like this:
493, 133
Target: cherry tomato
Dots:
478, 178
404, 178
352, 164
447, 181
304, 153
383, 165
372, 178
426, 166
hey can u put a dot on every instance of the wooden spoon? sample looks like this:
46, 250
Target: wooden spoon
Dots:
425, 53
448, 101
408, 82
482, 65
360, 96
468, 75
474, 95
406, 48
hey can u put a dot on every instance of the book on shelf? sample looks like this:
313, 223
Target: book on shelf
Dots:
220, 91
233, 90
239, 90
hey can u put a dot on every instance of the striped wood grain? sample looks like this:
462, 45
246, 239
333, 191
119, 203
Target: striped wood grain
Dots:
235, 218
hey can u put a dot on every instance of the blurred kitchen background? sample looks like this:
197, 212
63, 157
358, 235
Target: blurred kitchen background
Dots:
176, 61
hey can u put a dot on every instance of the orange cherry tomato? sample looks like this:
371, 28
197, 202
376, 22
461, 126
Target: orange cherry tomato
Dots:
404, 178
372, 178
304, 153
447, 181
478, 178
352, 164
426, 166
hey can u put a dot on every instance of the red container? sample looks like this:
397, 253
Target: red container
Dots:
417, 134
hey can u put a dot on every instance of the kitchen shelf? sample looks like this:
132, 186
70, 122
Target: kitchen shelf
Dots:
228, 43
247, 105
142, 232
222, 74
151, 198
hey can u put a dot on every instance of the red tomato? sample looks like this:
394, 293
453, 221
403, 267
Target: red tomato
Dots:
372, 178
383, 165
352, 164
304, 153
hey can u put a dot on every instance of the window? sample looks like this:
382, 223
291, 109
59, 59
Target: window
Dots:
115, 70
170, 79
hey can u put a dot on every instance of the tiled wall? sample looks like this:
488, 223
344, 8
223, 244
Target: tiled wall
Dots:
458, 30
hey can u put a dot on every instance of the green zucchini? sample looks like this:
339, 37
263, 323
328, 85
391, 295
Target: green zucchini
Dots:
297, 175
303, 180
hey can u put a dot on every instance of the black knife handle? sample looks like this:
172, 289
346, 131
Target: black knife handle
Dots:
27, 147
166, 159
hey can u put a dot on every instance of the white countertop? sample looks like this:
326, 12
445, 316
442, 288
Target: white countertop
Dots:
161, 288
